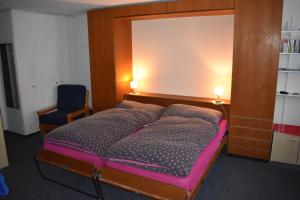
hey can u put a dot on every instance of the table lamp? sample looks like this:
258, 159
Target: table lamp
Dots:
219, 91
134, 86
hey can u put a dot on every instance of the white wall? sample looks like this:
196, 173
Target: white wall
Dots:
66, 50
82, 52
5, 27
184, 56
45, 57
291, 9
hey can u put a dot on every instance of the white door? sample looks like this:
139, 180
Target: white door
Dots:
36, 46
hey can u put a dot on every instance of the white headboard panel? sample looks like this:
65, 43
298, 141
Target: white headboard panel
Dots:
183, 56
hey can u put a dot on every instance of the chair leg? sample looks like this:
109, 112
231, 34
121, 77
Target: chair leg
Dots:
43, 130
87, 111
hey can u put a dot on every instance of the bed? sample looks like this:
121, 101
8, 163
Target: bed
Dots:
102, 168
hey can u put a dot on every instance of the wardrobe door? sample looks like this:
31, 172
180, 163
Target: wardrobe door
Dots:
256, 56
100, 27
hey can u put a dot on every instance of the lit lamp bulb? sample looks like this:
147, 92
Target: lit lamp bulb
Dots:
134, 86
219, 91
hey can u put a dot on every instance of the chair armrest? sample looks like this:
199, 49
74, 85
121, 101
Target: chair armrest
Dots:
72, 115
46, 110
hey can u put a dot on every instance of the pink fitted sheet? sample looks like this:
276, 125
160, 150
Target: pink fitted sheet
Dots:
198, 170
75, 153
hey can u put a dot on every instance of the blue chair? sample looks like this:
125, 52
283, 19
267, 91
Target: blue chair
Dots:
72, 103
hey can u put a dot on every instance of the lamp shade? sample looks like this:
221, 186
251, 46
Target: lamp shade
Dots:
219, 91
133, 85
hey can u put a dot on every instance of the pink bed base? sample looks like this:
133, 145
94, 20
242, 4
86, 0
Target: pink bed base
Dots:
76, 154
189, 182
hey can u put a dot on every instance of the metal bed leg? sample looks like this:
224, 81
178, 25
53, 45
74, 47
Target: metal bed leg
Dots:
97, 183
99, 194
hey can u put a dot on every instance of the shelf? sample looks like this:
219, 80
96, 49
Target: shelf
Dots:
289, 71
289, 53
288, 95
168, 97
290, 32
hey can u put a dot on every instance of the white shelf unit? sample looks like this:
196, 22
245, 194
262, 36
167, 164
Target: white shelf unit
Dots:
287, 106
289, 74
287, 110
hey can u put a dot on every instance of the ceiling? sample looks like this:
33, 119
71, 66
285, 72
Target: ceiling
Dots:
65, 7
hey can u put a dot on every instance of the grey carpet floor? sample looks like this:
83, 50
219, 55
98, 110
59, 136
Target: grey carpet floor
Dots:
232, 178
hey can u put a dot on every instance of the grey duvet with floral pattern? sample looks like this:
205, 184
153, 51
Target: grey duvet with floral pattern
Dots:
169, 145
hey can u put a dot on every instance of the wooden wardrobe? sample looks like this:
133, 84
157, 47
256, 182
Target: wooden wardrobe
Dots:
257, 32
256, 53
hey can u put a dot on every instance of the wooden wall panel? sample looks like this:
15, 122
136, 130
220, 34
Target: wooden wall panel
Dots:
255, 61
198, 5
100, 27
253, 143
252, 122
250, 137
123, 56
256, 57
248, 152
251, 133
166, 100
108, 69
141, 185
140, 10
